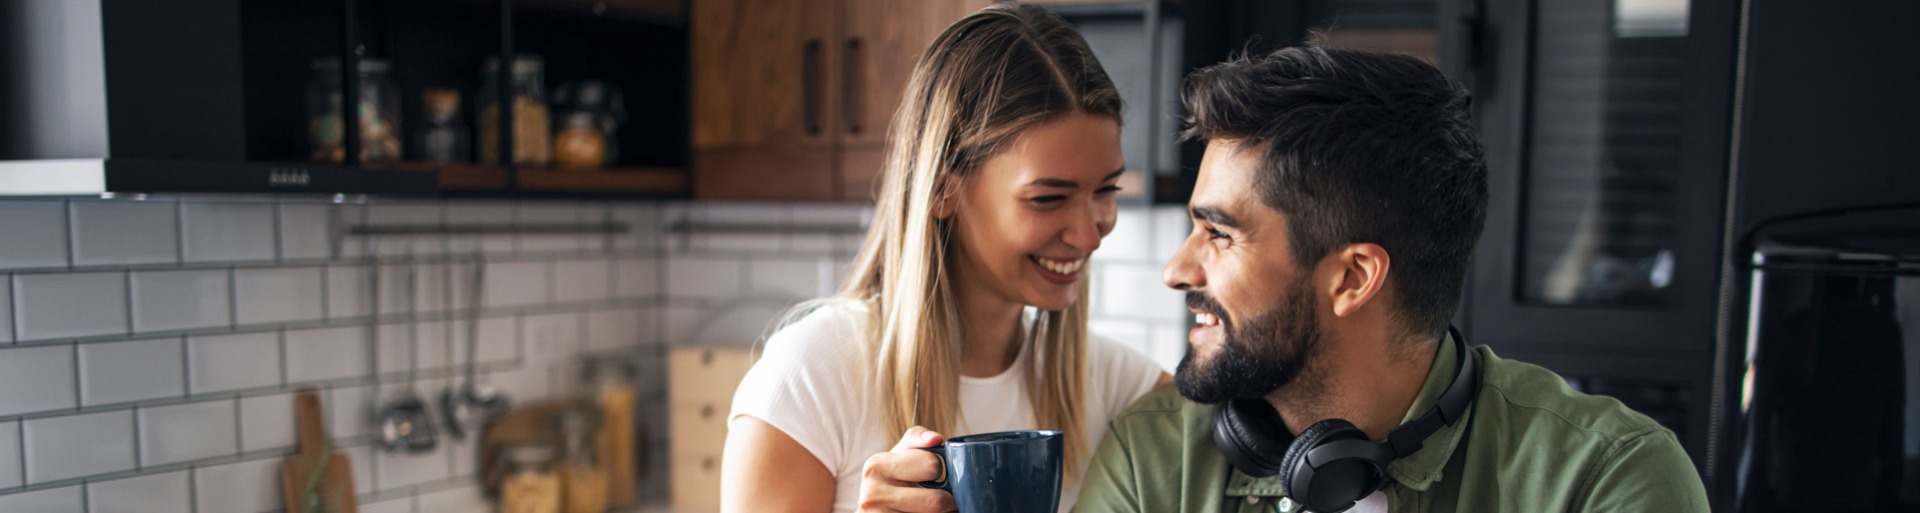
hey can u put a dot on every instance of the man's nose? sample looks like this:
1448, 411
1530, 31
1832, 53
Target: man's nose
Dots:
1183, 271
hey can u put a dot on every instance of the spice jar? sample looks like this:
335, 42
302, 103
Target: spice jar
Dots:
582, 478
611, 385
378, 112
530, 484
531, 126
443, 134
589, 112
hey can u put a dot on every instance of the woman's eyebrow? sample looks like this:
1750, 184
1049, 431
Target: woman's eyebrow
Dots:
1070, 184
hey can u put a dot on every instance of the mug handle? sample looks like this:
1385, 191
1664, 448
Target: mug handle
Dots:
939, 451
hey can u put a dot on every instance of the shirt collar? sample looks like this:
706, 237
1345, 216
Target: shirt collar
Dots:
1416, 472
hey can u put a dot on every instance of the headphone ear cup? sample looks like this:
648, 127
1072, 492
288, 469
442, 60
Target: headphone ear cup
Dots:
1251, 436
1294, 465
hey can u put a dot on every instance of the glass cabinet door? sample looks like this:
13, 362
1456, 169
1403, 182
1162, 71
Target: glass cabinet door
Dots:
1607, 112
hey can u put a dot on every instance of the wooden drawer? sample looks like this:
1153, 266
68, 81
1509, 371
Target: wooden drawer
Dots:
700, 386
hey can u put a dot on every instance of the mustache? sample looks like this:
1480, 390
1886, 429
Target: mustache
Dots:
1206, 303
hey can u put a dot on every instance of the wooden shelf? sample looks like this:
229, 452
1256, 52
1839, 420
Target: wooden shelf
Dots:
474, 178
620, 180
661, 12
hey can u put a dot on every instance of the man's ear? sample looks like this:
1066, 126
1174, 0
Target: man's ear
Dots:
1356, 274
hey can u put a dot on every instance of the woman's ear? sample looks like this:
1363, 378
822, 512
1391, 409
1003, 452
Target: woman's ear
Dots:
945, 189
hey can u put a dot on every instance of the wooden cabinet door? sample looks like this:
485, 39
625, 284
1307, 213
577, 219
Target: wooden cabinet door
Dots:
764, 108
880, 43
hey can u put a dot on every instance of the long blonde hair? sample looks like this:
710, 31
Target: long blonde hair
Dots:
985, 80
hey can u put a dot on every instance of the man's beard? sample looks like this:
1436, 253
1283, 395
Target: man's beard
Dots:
1264, 353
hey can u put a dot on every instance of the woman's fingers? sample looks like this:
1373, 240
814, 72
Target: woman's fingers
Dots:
905, 499
890, 480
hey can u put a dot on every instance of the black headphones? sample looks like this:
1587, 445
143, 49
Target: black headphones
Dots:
1332, 465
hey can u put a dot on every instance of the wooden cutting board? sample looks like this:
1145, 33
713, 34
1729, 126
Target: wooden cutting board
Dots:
335, 485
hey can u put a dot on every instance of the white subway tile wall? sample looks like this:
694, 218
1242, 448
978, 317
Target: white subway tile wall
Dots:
219, 363
36, 379
124, 232
244, 487
6, 309
78, 445
56, 500
278, 295
182, 300
11, 464
123, 344
266, 422
36, 234
305, 231
187, 432
50, 306
134, 370
143, 494
214, 232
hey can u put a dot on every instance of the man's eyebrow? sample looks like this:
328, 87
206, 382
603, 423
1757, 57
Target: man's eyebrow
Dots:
1070, 184
1214, 215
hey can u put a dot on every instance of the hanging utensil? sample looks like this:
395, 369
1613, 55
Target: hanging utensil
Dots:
317, 479
405, 423
472, 404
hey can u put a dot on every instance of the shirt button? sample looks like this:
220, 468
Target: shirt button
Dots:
1251, 500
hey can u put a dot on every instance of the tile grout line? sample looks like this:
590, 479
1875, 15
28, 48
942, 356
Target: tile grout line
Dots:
193, 488
134, 418
20, 440
239, 428
233, 298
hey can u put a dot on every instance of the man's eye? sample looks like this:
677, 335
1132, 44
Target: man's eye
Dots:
1215, 234
1108, 189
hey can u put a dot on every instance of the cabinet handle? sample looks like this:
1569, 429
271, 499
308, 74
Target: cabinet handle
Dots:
810, 87
850, 75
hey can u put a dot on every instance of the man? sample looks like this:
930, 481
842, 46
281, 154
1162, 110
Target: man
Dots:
1338, 201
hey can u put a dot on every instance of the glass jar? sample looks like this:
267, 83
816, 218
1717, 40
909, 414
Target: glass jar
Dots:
443, 133
611, 384
532, 126
589, 112
378, 111
529, 484
581, 476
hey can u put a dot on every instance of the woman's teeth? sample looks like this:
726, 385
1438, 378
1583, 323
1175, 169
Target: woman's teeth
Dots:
1061, 266
1205, 319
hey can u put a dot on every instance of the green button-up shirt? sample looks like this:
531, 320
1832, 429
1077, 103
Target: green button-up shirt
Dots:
1528, 444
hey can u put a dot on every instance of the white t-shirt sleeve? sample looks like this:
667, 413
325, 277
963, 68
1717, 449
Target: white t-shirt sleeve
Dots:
804, 386
1119, 374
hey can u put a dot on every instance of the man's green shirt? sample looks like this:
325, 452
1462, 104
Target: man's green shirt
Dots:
1528, 444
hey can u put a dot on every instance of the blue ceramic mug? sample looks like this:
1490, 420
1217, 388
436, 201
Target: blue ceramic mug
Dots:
1007, 472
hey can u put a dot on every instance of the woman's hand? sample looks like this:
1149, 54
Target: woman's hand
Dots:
890, 482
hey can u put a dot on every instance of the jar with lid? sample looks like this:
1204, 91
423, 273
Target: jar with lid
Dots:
583, 480
443, 131
589, 112
378, 112
532, 128
612, 385
528, 483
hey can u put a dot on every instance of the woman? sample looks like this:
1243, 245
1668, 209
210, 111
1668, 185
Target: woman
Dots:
964, 312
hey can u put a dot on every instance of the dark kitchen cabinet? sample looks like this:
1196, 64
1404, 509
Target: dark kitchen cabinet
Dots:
792, 98
197, 96
1605, 124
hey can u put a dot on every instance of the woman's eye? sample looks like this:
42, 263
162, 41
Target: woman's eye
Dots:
1108, 190
1048, 200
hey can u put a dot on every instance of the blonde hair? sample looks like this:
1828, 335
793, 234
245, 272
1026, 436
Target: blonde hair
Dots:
985, 80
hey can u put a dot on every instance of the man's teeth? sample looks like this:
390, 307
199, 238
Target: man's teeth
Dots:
1205, 319
1061, 266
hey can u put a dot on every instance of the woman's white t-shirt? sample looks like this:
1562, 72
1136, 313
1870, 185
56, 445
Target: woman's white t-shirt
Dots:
810, 384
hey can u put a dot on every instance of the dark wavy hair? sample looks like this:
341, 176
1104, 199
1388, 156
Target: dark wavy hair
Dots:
1358, 147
